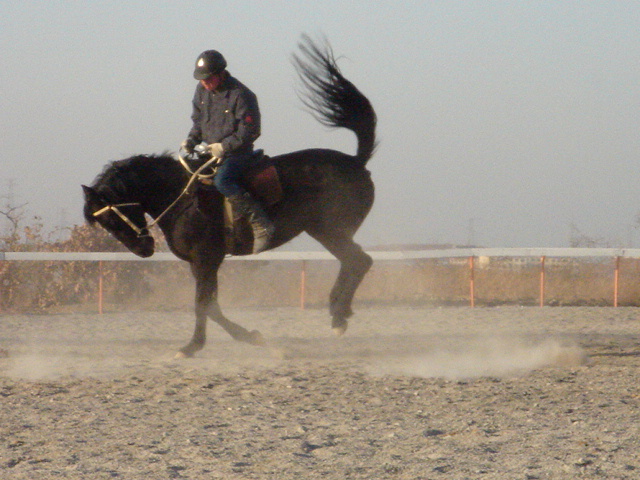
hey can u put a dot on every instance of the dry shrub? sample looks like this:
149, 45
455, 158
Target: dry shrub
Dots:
629, 291
55, 286
260, 283
415, 282
33, 286
495, 286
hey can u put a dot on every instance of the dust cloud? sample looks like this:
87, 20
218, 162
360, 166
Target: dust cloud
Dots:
397, 341
46, 367
483, 357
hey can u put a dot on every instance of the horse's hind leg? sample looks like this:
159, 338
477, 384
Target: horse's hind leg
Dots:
354, 264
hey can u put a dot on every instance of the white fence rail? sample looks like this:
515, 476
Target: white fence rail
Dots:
322, 255
469, 253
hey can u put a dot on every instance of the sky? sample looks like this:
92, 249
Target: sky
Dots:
501, 123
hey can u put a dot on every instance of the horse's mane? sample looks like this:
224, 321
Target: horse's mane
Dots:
137, 176
135, 172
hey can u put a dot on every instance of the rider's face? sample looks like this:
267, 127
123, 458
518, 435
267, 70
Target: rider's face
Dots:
212, 82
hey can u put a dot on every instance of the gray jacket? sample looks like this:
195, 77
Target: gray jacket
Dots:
230, 116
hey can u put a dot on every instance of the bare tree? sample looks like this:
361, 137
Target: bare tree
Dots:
13, 213
580, 239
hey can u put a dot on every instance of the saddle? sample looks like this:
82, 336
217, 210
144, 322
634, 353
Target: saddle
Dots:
262, 182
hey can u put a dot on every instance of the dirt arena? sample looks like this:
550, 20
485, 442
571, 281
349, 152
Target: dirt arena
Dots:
407, 393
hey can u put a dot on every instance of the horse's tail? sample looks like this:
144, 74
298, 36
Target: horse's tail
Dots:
333, 100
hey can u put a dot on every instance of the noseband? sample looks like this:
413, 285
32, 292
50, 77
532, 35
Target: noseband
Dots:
142, 232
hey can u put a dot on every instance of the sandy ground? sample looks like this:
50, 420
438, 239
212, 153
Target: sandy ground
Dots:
407, 393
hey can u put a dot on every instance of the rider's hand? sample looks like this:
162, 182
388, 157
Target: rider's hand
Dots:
188, 145
216, 150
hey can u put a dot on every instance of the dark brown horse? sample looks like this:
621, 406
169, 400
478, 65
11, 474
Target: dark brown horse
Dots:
326, 193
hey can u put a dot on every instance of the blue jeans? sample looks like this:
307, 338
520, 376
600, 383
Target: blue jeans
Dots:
229, 174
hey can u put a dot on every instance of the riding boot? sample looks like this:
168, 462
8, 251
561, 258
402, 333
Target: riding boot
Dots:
245, 205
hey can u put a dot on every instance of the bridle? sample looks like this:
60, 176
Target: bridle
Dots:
141, 232
144, 232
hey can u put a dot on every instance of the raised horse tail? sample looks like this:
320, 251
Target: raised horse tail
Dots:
333, 100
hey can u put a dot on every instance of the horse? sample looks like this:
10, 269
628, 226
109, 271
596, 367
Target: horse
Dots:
325, 193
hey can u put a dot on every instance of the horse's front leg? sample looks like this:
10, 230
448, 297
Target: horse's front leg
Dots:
206, 289
237, 332
207, 305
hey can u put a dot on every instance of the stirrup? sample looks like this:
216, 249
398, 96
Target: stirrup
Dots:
262, 237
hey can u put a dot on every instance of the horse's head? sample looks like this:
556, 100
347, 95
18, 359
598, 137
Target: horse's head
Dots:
124, 220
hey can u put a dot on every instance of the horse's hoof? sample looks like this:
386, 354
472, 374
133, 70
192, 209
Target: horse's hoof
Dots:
256, 338
181, 355
339, 325
340, 330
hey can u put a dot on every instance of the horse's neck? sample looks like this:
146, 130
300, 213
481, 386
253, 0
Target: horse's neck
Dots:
159, 196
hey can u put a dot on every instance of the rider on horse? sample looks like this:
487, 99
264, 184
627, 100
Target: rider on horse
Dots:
227, 118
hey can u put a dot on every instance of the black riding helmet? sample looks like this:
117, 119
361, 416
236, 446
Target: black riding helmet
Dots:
209, 63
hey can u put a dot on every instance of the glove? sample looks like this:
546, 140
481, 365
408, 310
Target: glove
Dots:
216, 150
188, 145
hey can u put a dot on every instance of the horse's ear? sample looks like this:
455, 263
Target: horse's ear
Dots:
89, 193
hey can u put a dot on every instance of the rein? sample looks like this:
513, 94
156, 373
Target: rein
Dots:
144, 232
197, 173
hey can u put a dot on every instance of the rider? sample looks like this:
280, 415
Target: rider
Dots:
226, 117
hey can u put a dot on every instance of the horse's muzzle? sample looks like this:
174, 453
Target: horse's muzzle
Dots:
144, 247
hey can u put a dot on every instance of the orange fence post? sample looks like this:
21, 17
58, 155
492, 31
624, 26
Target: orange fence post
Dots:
472, 283
616, 280
1, 296
303, 285
100, 287
542, 259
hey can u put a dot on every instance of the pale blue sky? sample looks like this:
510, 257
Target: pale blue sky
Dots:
516, 118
